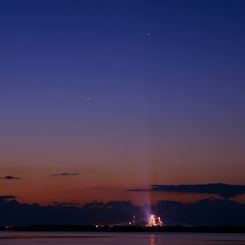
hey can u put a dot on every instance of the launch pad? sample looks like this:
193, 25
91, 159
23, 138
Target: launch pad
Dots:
155, 221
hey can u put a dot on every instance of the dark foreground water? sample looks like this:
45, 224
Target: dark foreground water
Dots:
83, 238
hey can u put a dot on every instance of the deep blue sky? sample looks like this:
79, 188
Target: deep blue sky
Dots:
154, 88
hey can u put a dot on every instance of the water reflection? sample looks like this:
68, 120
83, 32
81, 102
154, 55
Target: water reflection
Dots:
152, 239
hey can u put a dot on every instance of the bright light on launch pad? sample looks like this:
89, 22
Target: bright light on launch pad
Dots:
154, 221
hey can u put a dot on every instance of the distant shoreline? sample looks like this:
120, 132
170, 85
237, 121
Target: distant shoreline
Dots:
78, 228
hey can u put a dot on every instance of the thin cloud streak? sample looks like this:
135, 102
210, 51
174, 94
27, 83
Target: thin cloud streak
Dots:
223, 190
9, 177
64, 174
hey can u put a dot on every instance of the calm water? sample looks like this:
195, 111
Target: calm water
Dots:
69, 238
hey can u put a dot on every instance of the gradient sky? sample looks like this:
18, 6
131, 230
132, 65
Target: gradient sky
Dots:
125, 93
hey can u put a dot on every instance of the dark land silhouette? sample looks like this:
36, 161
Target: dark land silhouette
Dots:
77, 228
204, 213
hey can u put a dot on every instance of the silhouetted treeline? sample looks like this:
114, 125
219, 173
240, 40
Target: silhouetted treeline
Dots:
219, 212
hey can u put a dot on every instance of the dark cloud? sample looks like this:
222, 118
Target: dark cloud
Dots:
223, 190
8, 197
65, 174
9, 177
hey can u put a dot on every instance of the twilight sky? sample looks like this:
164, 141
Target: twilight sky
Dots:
97, 97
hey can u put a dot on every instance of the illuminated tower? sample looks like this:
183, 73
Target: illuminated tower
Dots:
134, 221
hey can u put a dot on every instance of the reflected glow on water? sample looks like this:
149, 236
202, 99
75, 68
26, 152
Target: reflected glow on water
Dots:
93, 238
152, 239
